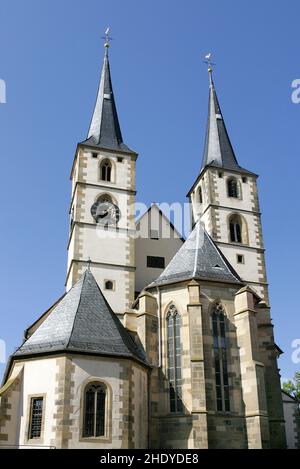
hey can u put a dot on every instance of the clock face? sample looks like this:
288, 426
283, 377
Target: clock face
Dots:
105, 213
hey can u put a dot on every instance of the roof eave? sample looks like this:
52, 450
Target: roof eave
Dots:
128, 151
187, 279
221, 168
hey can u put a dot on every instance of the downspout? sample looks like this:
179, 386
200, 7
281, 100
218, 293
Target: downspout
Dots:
159, 327
149, 408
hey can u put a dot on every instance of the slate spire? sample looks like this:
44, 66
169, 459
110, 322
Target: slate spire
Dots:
104, 130
218, 150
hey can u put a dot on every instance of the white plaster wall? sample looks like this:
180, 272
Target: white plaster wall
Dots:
225, 206
166, 246
120, 198
109, 371
91, 241
39, 378
225, 213
104, 245
120, 170
243, 203
117, 297
205, 219
248, 270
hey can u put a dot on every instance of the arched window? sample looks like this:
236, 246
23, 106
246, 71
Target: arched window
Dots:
238, 230
105, 170
174, 359
94, 410
220, 358
200, 197
235, 227
233, 188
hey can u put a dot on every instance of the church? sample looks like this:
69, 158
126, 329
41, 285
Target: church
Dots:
158, 341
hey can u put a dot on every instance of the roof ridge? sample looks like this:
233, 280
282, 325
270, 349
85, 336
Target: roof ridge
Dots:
198, 260
223, 258
80, 298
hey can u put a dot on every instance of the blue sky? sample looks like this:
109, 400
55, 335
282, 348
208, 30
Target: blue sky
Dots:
50, 58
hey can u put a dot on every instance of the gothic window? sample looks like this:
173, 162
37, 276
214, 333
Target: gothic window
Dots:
105, 170
220, 358
36, 417
174, 359
94, 410
238, 229
233, 188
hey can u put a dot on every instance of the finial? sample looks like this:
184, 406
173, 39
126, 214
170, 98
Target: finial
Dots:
89, 264
208, 61
210, 64
107, 39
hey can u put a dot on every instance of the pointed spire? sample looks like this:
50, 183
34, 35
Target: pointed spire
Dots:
105, 131
218, 150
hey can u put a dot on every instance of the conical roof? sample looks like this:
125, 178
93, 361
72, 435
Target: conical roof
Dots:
218, 150
84, 322
104, 131
199, 257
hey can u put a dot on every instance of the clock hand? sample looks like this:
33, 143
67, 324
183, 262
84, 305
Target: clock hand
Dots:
103, 214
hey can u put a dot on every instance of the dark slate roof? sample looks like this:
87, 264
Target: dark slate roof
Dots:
218, 150
105, 131
84, 322
199, 257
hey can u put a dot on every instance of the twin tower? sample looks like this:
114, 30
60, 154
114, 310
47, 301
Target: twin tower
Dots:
159, 342
224, 197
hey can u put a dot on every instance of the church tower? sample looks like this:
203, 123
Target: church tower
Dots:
102, 203
224, 198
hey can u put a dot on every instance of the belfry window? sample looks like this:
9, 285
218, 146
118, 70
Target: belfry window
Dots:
233, 188
220, 358
94, 410
174, 359
105, 170
235, 227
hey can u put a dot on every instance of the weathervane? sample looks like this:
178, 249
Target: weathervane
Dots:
89, 264
107, 38
208, 61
